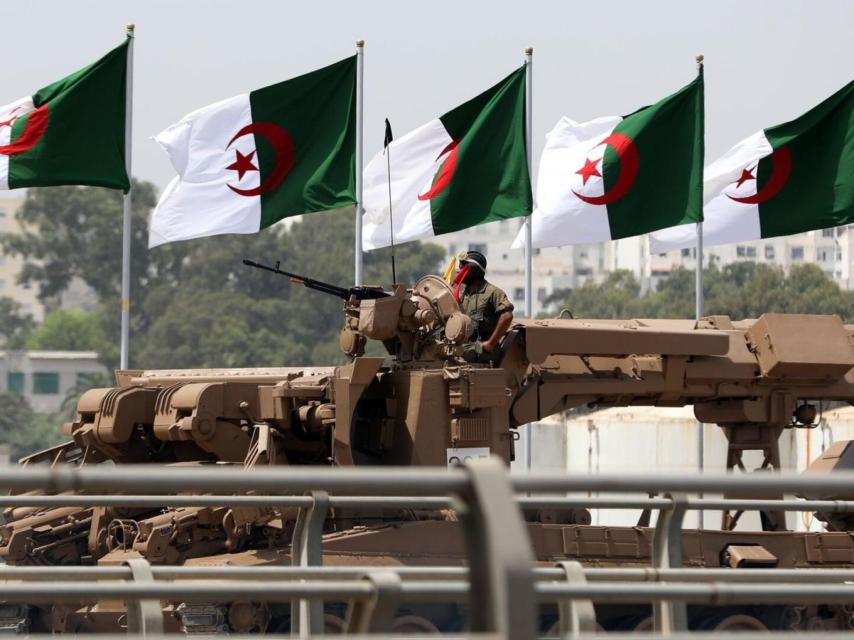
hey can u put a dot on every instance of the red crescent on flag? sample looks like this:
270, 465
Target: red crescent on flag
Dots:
33, 131
282, 145
781, 169
445, 172
629, 164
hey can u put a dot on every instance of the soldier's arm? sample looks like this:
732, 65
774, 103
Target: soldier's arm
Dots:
501, 327
504, 308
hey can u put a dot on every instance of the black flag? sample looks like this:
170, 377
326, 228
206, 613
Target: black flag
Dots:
388, 136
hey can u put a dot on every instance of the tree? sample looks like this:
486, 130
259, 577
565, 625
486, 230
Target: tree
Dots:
76, 232
24, 430
222, 313
14, 325
194, 304
70, 331
616, 297
739, 290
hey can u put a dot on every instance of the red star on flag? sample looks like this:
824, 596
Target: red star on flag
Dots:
589, 170
10, 121
746, 175
242, 164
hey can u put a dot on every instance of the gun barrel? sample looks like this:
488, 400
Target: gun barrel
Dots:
310, 283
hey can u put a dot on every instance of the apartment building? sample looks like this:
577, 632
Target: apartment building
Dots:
26, 296
44, 378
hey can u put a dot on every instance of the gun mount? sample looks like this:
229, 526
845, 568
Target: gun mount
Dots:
421, 404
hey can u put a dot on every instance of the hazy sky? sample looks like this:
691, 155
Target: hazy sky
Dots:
766, 62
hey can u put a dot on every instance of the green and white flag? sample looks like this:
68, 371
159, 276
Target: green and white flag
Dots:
249, 161
786, 179
616, 177
69, 132
462, 169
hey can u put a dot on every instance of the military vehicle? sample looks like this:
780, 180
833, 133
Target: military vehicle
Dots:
422, 404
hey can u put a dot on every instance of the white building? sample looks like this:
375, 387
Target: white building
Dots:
831, 249
571, 266
10, 266
555, 268
45, 377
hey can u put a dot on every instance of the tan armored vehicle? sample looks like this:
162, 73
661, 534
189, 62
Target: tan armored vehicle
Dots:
421, 404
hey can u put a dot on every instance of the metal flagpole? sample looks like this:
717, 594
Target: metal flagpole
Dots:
126, 212
360, 77
698, 304
387, 139
529, 258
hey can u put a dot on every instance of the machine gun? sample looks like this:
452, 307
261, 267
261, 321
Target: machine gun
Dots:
345, 293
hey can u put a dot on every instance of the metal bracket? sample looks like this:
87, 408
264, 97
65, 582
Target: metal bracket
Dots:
377, 614
669, 616
307, 551
576, 616
502, 596
145, 615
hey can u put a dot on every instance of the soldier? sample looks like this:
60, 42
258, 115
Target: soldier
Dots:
488, 307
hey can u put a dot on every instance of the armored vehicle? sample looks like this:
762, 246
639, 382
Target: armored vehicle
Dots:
420, 403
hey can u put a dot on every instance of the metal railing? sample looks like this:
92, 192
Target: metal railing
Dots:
500, 587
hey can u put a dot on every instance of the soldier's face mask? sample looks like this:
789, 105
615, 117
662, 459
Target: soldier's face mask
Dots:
474, 274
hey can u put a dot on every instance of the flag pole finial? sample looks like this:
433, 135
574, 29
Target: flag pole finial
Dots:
699, 58
360, 43
131, 27
529, 51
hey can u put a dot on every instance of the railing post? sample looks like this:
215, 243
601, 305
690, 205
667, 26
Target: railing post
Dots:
669, 616
576, 616
501, 596
377, 614
145, 616
307, 551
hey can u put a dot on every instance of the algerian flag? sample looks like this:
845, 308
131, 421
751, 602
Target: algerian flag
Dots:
69, 132
616, 177
463, 169
786, 179
249, 161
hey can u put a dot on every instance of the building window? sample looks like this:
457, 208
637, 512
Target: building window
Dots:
2, 214
823, 255
541, 294
828, 233
745, 252
477, 246
45, 383
15, 382
769, 251
686, 253
797, 253
518, 293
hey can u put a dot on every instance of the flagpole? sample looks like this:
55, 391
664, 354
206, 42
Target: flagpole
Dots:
126, 205
698, 304
529, 259
387, 151
360, 77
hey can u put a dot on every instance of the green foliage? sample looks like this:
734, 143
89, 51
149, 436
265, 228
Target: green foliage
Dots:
24, 430
194, 304
15, 327
68, 330
739, 290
